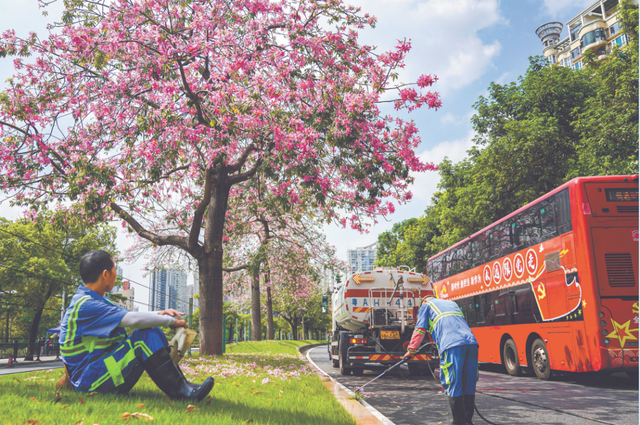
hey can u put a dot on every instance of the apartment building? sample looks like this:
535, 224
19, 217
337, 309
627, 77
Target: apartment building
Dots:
596, 28
168, 290
361, 259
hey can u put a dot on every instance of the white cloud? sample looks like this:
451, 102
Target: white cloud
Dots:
553, 8
444, 36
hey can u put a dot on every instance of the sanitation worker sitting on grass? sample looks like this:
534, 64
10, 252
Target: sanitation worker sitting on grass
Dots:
458, 350
96, 350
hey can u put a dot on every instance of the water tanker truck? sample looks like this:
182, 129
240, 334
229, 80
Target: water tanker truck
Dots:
374, 314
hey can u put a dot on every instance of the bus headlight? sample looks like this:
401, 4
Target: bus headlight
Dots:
606, 341
605, 332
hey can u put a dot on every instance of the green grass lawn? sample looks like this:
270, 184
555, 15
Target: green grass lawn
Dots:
256, 382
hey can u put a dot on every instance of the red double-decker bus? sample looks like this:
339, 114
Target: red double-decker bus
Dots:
554, 285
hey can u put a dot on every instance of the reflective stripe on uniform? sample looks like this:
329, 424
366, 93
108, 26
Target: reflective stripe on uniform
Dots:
448, 373
73, 318
89, 344
115, 368
439, 315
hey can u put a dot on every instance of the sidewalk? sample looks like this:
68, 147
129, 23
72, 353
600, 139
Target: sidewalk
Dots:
22, 365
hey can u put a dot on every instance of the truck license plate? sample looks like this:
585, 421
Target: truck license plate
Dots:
390, 334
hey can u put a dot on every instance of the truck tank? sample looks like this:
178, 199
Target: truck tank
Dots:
373, 298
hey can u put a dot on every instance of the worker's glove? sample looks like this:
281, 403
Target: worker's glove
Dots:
180, 343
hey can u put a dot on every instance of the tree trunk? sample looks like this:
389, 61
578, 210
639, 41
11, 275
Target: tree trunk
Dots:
6, 335
271, 333
303, 329
210, 267
256, 328
294, 328
33, 329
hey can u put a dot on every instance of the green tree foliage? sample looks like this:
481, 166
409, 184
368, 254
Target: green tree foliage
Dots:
532, 135
608, 124
405, 244
38, 260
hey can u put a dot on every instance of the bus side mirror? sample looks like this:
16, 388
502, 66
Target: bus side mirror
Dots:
325, 303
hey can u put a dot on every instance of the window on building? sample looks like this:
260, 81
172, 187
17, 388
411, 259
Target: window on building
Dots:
614, 29
578, 65
591, 37
552, 59
574, 31
575, 53
620, 41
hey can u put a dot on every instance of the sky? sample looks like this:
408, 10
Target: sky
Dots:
467, 44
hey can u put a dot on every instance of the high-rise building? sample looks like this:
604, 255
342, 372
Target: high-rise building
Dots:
597, 28
168, 290
361, 259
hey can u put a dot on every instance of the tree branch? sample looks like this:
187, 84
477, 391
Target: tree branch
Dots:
178, 241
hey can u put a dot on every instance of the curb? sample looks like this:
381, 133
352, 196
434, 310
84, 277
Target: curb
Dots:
362, 412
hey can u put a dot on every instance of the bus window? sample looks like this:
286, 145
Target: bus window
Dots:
433, 269
464, 257
478, 305
500, 241
481, 249
563, 212
470, 314
517, 241
513, 305
489, 309
445, 264
529, 220
548, 218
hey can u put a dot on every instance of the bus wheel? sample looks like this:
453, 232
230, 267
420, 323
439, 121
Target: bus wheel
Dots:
510, 358
335, 363
357, 371
540, 360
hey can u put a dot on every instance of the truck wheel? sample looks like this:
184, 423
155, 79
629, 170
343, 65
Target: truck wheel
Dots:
335, 363
342, 356
540, 360
357, 371
510, 358
344, 370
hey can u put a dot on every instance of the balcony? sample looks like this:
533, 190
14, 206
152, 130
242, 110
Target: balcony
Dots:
592, 36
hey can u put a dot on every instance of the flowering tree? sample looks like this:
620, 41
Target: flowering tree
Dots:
265, 237
152, 110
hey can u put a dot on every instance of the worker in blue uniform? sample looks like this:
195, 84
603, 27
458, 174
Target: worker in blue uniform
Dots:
98, 354
458, 350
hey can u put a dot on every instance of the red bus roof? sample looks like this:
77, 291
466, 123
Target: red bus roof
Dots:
576, 181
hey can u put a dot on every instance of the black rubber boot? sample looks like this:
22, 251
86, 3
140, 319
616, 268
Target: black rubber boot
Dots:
169, 378
469, 406
131, 379
191, 384
457, 410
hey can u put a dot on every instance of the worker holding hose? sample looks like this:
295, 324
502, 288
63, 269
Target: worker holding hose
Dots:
458, 350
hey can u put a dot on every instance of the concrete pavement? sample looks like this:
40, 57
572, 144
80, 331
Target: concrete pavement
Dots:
22, 365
